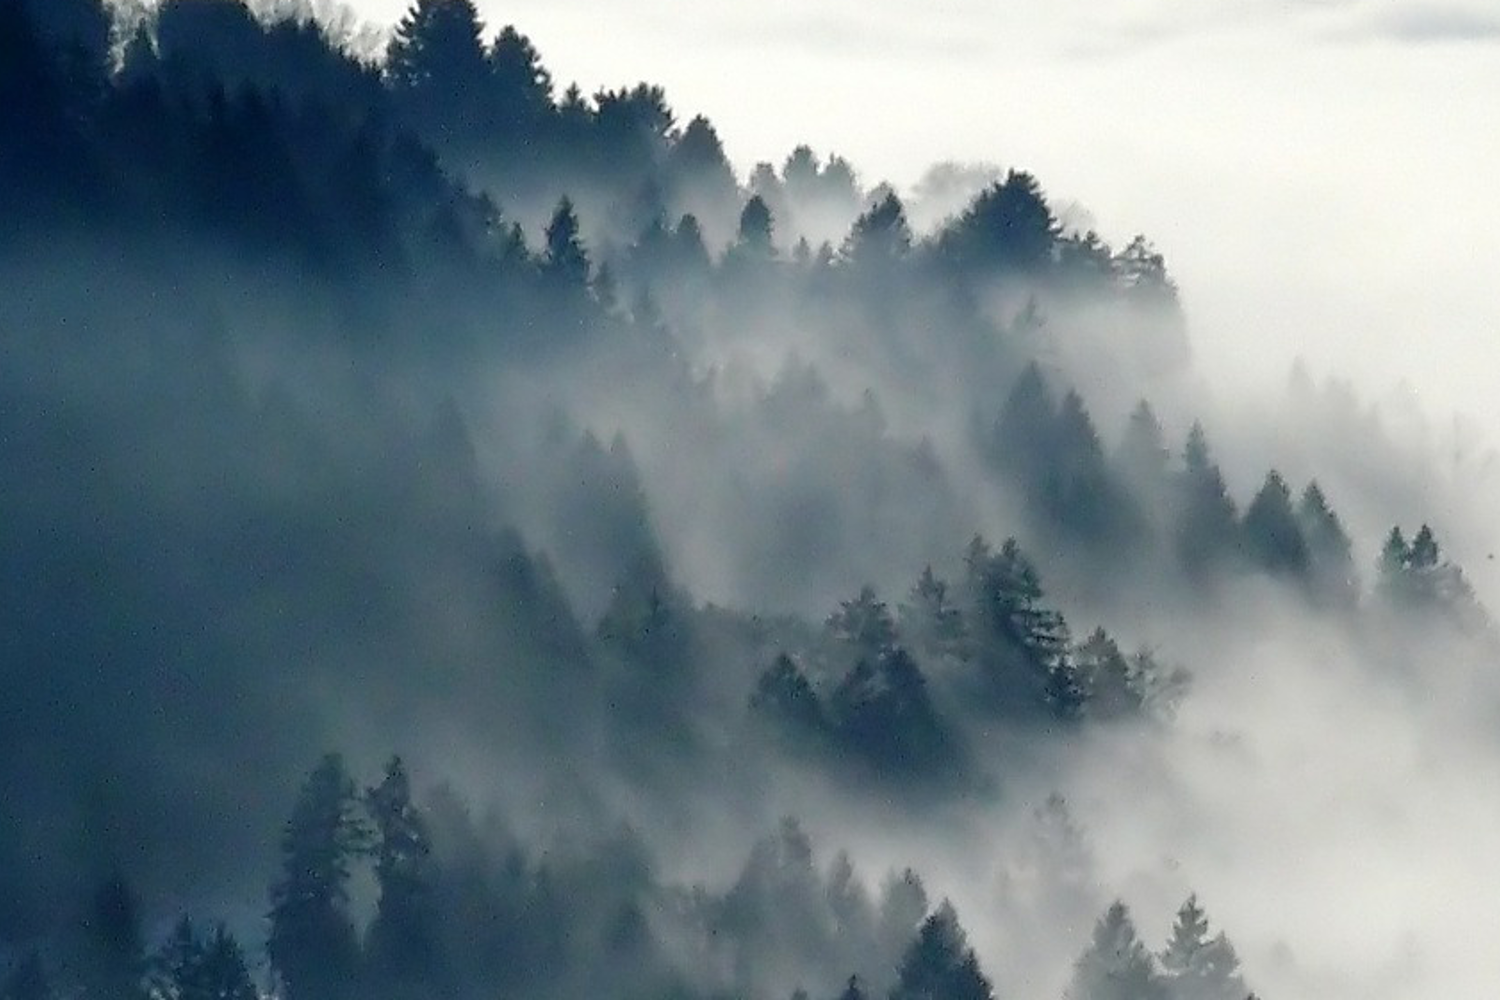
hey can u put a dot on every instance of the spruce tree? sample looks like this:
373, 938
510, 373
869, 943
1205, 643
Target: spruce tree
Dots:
1116, 965
1330, 553
939, 964
1197, 966
312, 941
1273, 537
400, 941
1206, 516
566, 262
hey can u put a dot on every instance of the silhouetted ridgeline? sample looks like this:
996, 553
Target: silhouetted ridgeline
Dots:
420, 404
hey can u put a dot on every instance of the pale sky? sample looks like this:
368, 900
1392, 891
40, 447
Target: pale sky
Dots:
1319, 173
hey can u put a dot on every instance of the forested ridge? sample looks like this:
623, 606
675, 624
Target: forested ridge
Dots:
463, 538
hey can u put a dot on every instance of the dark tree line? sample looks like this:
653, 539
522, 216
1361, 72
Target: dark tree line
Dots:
993, 641
462, 911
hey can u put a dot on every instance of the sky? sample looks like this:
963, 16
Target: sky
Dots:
1316, 171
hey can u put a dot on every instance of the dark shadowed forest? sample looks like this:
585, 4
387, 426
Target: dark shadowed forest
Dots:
463, 538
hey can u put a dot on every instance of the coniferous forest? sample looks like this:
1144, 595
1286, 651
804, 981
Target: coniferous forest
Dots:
464, 538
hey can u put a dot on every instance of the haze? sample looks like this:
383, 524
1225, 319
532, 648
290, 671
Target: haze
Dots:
1316, 172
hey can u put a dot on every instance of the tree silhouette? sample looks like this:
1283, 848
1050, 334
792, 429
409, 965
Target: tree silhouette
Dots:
312, 941
754, 237
110, 954
1273, 537
1196, 966
1008, 227
1330, 553
1206, 518
1116, 965
1022, 643
438, 71
401, 941
881, 235
520, 83
940, 965
565, 262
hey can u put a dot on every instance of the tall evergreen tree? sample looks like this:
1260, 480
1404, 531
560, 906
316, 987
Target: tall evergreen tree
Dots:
1330, 553
1023, 436
1022, 643
932, 621
754, 239
1206, 516
520, 84
1105, 676
566, 262
401, 940
1116, 965
863, 625
109, 956
312, 941
880, 236
1197, 966
1273, 537
1143, 457
939, 964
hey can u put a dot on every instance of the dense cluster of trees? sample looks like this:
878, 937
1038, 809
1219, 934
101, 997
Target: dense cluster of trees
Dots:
251, 287
460, 911
860, 694
1193, 966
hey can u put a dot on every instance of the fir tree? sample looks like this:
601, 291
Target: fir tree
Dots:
312, 942
939, 964
1329, 550
1197, 966
400, 941
1206, 520
565, 261
931, 620
1273, 538
1116, 965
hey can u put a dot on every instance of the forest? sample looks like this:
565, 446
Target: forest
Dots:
466, 539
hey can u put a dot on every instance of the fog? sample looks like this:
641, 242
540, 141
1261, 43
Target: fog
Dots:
332, 430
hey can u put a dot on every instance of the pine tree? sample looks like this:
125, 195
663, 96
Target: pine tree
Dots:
400, 940
880, 236
1329, 550
222, 973
1022, 442
1116, 965
864, 625
785, 697
1105, 676
565, 263
1273, 538
1143, 457
110, 960
437, 68
1196, 966
939, 964
521, 85
1077, 491
176, 964
312, 942
931, 620
1206, 520
754, 240
1023, 643
903, 905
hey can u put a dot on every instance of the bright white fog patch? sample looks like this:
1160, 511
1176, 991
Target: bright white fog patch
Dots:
1336, 823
